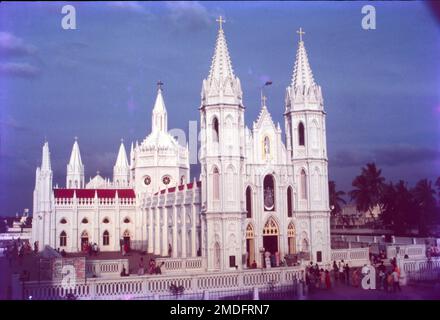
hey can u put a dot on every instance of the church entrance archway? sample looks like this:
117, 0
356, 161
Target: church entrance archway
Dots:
250, 245
270, 237
84, 240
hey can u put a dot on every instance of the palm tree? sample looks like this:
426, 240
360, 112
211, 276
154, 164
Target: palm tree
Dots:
368, 188
336, 198
424, 196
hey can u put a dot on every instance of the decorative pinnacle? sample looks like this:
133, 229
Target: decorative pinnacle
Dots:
159, 85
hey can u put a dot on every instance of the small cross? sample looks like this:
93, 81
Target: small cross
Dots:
76, 138
122, 140
221, 21
264, 100
300, 32
159, 85
97, 172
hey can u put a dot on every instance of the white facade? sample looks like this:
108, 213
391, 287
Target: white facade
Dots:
256, 193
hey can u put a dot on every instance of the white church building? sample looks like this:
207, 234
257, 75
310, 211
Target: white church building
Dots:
259, 190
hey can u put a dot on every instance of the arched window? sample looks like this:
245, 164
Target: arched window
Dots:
301, 136
215, 131
127, 220
249, 202
216, 184
269, 193
63, 221
106, 220
303, 184
63, 239
84, 220
289, 201
106, 238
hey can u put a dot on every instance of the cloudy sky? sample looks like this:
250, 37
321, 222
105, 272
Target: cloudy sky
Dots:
98, 82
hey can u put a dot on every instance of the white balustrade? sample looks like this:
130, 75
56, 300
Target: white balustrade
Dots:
155, 285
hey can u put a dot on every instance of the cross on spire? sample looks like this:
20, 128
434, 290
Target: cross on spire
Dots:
263, 100
300, 32
159, 85
220, 20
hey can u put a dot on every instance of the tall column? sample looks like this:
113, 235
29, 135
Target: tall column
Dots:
193, 231
175, 251
157, 231
184, 232
165, 232
150, 230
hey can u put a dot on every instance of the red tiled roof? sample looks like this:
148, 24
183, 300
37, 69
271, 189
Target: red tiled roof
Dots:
90, 193
181, 187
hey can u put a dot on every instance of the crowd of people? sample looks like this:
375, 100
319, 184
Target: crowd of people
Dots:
432, 251
152, 267
16, 250
386, 278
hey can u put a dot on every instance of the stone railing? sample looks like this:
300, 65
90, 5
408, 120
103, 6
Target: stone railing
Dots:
105, 268
420, 269
354, 257
414, 251
90, 202
179, 265
154, 286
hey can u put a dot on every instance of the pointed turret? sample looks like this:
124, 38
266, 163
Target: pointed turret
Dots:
43, 198
75, 168
45, 160
303, 89
221, 86
121, 170
159, 116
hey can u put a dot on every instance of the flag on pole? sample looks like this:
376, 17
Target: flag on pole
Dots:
268, 83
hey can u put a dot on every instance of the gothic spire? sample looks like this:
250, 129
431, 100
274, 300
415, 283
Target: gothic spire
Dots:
75, 156
159, 116
221, 66
45, 160
302, 73
75, 168
122, 161
221, 86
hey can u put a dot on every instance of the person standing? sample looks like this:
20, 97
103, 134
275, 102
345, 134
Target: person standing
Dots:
141, 267
341, 271
328, 282
347, 274
396, 284
335, 271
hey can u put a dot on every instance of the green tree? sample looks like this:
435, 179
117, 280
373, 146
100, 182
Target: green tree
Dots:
336, 198
424, 196
368, 188
398, 207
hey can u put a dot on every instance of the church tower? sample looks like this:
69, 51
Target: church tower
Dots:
42, 224
307, 148
75, 169
121, 169
222, 157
